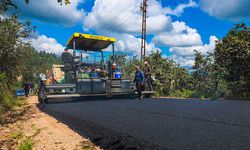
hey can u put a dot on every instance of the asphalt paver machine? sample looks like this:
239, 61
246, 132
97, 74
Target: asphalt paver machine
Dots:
83, 78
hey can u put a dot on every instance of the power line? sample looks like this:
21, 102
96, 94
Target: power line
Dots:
122, 21
106, 8
109, 19
114, 24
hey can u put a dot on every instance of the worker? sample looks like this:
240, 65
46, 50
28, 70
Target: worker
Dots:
103, 74
31, 92
27, 87
94, 73
66, 56
139, 81
147, 72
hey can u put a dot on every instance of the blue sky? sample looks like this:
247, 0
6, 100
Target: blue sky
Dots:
176, 27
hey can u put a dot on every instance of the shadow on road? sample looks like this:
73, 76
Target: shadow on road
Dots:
104, 137
89, 98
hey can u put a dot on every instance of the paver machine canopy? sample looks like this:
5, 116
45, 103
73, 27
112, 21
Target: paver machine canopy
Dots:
89, 42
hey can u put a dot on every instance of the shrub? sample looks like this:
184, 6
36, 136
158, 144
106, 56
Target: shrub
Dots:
7, 99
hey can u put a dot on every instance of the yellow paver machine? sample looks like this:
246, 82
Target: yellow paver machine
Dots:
84, 77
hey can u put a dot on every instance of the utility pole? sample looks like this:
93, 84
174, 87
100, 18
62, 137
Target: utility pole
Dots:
144, 6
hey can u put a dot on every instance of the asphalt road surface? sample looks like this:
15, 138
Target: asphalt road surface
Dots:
158, 123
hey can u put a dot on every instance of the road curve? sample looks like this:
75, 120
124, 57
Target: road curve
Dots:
158, 123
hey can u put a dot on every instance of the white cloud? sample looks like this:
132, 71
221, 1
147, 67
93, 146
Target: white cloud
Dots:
115, 16
158, 24
122, 19
49, 11
181, 35
189, 50
44, 43
187, 61
130, 44
125, 16
230, 9
155, 8
180, 8
185, 55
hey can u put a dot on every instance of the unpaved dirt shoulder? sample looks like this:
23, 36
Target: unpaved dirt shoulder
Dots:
43, 131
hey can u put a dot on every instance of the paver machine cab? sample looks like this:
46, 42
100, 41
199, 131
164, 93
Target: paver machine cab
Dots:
87, 78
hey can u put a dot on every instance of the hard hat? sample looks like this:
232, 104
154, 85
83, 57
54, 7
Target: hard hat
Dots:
113, 66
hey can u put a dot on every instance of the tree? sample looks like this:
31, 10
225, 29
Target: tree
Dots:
232, 54
6, 4
66, 2
17, 58
170, 77
205, 76
11, 46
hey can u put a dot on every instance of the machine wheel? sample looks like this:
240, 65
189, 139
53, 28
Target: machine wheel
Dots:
42, 97
148, 96
131, 96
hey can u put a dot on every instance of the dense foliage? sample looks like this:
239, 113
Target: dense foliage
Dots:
232, 55
18, 60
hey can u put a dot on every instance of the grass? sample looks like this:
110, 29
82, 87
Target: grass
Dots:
8, 100
87, 148
17, 135
27, 144
185, 93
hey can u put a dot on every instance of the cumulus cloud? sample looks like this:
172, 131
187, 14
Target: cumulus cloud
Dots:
44, 43
49, 11
109, 15
128, 43
189, 50
180, 35
185, 55
125, 16
186, 62
230, 9
122, 19
180, 8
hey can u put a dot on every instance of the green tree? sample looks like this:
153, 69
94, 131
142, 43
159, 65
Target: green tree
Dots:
232, 54
11, 46
205, 76
170, 77
5, 5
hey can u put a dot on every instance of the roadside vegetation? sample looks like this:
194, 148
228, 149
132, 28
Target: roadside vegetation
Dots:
19, 61
27, 144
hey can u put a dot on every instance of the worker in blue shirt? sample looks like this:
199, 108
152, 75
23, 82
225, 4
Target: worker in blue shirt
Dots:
139, 81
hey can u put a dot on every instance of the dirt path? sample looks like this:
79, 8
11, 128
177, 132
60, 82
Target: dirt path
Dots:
42, 131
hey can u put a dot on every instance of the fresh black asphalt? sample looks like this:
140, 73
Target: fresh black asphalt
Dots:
158, 123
